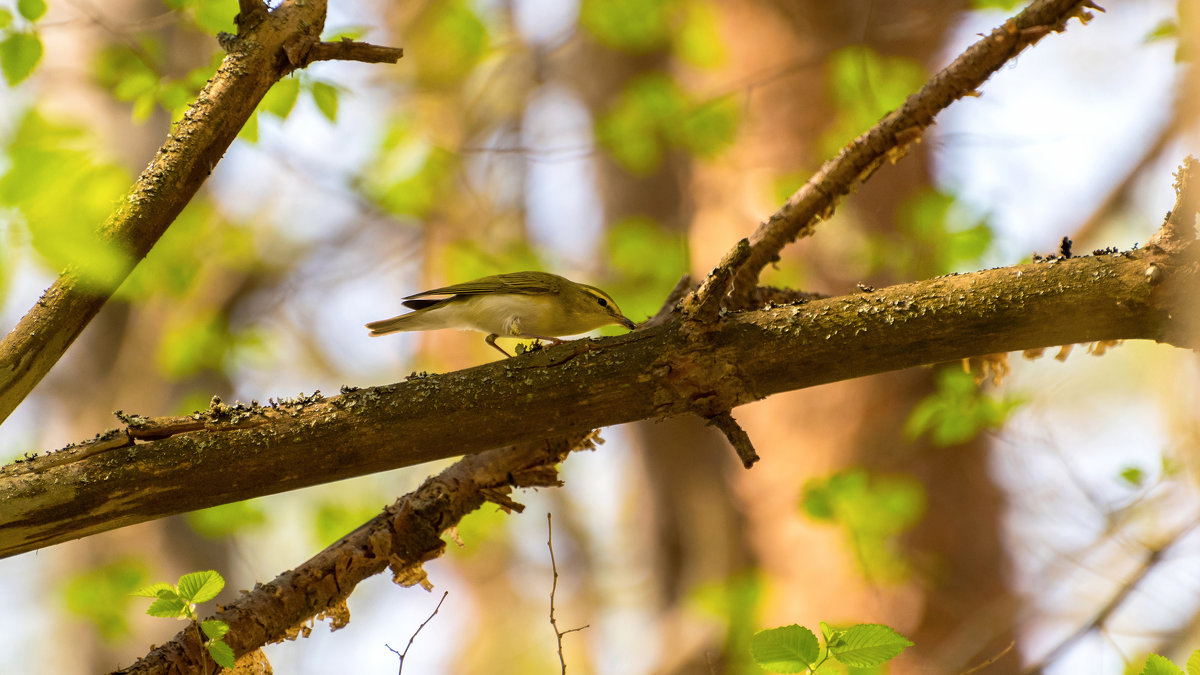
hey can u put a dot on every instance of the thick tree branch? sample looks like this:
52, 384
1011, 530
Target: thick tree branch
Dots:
249, 451
407, 534
262, 52
890, 137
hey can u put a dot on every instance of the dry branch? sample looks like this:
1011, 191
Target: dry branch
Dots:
657, 372
891, 136
407, 534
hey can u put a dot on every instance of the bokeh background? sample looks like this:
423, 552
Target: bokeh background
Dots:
624, 143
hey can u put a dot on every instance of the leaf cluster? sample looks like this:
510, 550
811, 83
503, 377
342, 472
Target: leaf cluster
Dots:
794, 648
179, 601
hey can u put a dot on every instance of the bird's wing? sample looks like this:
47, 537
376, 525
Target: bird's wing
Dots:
500, 283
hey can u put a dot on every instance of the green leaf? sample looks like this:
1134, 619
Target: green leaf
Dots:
866, 645
789, 649
1159, 665
168, 608
1193, 663
31, 9
221, 653
214, 629
326, 98
281, 97
201, 587
154, 590
19, 55
6, 18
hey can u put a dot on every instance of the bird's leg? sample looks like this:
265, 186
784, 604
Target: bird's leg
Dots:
491, 340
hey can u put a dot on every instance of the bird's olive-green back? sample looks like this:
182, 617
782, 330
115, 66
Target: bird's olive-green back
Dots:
529, 283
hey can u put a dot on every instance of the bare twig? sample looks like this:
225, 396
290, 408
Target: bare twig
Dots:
558, 634
1154, 556
890, 138
737, 436
990, 660
351, 50
403, 654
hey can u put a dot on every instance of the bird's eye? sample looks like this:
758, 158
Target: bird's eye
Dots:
602, 301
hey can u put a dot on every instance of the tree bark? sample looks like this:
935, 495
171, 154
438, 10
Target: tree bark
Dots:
228, 453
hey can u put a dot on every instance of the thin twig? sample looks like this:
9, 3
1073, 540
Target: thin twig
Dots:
414, 635
990, 661
558, 634
891, 137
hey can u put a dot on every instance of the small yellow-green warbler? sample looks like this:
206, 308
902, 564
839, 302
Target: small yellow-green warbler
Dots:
534, 305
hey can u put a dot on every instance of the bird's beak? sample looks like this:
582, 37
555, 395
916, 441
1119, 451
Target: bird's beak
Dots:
627, 323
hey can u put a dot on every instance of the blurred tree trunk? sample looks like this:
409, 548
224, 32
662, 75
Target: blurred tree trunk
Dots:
956, 605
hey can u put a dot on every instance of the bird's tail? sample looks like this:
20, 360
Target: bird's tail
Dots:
410, 321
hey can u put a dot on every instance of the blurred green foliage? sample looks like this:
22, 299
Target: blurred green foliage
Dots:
218, 522
653, 114
872, 510
409, 175
20, 52
446, 41
737, 602
133, 73
958, 410
48, 160
864, 86
934, 235
687, 27
1005, 5
209, 16
648, 259
101, 595
335, 518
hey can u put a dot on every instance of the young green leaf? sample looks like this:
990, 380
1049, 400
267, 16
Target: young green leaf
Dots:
788, 649
201, 586
1193, 664
866, 645
19, 55
1159, 665
154, 590
31, 9
6, 18
168, 608
281, 97
215, 630
221, 653
326, 98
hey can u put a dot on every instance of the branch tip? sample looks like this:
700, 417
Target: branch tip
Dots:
737, 436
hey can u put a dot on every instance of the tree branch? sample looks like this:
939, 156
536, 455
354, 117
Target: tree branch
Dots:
263, 51
248, 451
349, 50
890, 137
403, 537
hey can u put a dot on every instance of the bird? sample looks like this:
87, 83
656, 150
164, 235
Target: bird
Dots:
532, 305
